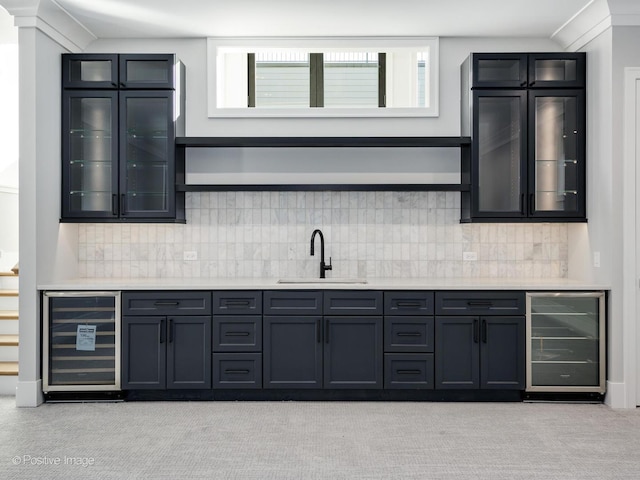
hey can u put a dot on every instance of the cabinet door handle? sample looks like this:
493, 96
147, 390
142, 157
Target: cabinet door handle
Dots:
326, 331
532, 83
171, 330
237, 303
480, 303
484, 331
475, 330
408, 304
114, 204
408, 372
161, 332
114, 84
318, 331
236, 334
123, 204
532, 203
523, 84
522, 204
409, 334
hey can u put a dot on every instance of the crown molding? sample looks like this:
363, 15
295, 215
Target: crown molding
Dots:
596, 17
53, 20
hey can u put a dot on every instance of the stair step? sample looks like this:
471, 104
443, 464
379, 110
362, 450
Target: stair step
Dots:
9, 315
8, 340
8, 368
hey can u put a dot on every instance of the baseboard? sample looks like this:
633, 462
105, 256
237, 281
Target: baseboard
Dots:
29, 394
617, 396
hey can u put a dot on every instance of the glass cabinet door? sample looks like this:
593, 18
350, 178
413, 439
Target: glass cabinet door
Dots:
565, 70
499, 138
499, 70
147, 71
89, 153
89, 71
146, 153
557, 144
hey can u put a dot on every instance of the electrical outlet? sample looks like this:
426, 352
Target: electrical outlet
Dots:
596, 259
191, 255
469, 256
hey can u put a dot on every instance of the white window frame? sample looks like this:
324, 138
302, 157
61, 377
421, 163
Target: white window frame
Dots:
383, 44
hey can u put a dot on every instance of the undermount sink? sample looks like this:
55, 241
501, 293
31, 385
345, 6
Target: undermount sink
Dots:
323, 280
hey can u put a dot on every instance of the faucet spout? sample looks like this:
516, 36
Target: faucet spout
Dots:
323, 266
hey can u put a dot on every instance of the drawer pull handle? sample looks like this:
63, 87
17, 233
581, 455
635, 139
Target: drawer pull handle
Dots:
408, 372
408, 304
164, 303
237, 303
236, 334
237, 372
480, 303
565, 375
409, 334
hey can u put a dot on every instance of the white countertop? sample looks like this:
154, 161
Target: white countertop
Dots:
371, 284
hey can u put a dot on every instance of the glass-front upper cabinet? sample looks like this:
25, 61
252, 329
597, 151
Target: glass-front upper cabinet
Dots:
529, 70
500, 133
89, 148
146, 153
97, 70
557, 173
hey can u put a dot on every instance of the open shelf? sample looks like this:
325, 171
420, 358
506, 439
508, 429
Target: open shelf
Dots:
182, 143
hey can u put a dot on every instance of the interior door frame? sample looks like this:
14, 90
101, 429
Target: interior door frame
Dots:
630, 224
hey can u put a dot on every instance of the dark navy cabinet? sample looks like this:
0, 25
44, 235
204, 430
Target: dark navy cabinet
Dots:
480, 340
237, 339
164, 347
120, 117
306, 348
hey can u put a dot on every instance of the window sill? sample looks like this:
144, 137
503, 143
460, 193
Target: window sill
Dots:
326, 112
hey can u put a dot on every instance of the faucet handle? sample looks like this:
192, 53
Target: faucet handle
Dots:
329, 267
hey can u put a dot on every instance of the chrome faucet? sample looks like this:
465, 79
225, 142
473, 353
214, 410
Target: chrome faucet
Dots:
323, 267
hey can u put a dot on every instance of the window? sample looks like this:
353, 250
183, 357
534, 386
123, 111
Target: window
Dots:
323, 77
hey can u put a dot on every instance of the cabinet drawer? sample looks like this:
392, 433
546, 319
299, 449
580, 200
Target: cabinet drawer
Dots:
408, 303
237, 333
352, 303
408, 334
408, 371
166, 303
565, 374
292, 302
237, 370
480, 303
237, 303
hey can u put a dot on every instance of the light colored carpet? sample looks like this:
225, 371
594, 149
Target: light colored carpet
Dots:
316, 440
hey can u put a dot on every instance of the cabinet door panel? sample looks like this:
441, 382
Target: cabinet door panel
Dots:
89, 152
499, 149
556, 174
292, 351
499, 70
189, 352
147, 154
557, 70
353, 352
147, 71
143, 352
457, 353
502, 352
93, 70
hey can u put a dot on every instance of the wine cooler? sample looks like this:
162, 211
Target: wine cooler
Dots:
566, 342
81, 341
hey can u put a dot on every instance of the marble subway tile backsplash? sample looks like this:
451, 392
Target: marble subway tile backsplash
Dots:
367, 234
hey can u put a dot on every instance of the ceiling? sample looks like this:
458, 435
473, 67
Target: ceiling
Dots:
203, 18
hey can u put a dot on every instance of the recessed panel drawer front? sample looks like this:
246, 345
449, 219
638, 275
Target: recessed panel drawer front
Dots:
237, 370
237, 303
408, 334
408, 371
166, 303
292, 302
237, 333
408, 303
480, 303
565, 374
342, 302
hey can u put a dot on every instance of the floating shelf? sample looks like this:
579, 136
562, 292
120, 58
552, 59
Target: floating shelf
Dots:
464, 143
